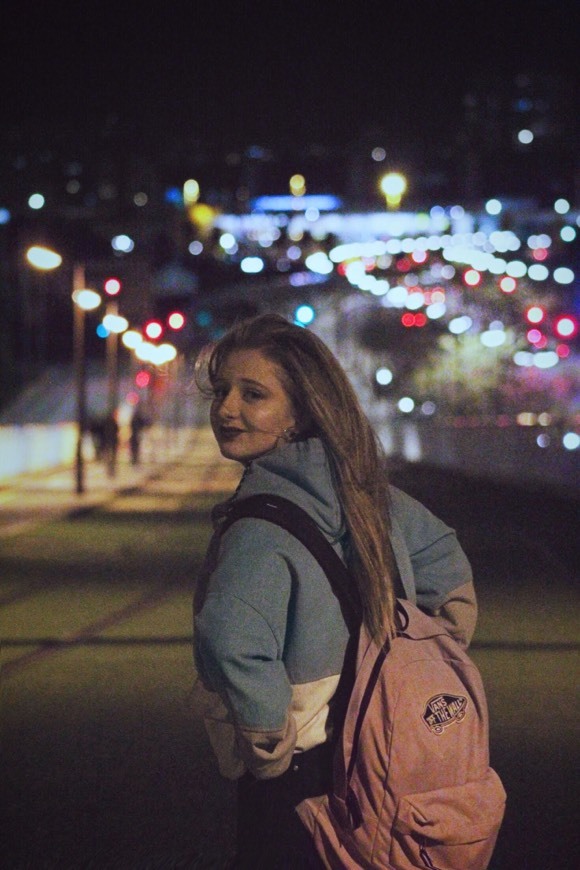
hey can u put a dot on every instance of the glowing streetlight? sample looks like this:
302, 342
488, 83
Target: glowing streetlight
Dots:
191, 191
115, 323
297, 185
393, 185
86, 299
156, 354
43, 258
132, 339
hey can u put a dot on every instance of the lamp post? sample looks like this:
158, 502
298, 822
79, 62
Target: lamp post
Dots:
115, 325
83, 300
393, 185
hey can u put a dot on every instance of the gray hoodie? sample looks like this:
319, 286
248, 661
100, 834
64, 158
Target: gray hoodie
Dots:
269, 634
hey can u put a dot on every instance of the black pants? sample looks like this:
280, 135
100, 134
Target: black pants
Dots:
270, 833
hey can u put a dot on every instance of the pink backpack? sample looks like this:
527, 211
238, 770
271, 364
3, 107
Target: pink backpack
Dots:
412, 785
412, 781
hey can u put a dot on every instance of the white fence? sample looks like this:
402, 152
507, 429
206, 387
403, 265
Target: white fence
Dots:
39, 447
35, 447
511, 454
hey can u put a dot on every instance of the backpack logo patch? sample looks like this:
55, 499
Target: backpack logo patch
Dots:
443, 710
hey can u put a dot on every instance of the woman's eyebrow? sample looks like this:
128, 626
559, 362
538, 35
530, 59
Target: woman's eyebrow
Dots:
251, 382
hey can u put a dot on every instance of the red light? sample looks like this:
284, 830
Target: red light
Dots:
404, 264
153, 329
472, 277
409, 319
142, 379
112, 286
566, 326
536, 338
563, 351
176, 320
535, 314
539, 254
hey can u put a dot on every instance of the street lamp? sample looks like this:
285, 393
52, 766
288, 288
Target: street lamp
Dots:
393, 185
115, 325
83, 300
43, 258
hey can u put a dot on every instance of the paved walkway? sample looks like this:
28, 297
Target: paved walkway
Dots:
105, 764
28, 499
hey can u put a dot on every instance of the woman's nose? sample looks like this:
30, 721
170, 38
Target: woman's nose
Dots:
228, 408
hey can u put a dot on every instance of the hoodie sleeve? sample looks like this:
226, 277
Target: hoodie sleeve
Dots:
442, 574
239, 641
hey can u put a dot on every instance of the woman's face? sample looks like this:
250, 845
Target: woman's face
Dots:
251, 410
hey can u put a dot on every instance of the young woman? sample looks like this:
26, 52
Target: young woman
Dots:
270, 637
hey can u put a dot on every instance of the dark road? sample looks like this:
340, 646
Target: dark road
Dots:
105, 765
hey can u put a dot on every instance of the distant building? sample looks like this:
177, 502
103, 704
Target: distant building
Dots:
518, 138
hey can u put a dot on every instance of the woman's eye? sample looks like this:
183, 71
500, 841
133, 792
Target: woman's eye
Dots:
252, 395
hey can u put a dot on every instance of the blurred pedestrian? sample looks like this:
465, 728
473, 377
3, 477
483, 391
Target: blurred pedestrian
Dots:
110, 443
270, 637
97, 430
139, 422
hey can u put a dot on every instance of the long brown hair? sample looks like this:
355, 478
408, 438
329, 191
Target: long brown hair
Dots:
326, 405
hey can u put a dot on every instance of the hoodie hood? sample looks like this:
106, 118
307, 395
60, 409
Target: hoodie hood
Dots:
301, 472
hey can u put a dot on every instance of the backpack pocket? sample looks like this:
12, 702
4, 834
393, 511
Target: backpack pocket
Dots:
451, 828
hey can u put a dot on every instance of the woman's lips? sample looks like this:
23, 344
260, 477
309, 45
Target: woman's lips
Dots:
229, 432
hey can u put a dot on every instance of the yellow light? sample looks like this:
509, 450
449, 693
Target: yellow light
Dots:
297, 185
156, 354
202, 215
43, 258
164, 353
86, 299
132, 339
393, 185
144, 351
115, 323
190, 191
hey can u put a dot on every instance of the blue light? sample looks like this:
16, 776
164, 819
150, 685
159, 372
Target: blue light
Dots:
174, 195
204, 318
304, 315
302, 279
102, 331
323, 202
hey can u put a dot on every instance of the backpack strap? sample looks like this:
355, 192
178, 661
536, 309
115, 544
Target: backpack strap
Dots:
284, 513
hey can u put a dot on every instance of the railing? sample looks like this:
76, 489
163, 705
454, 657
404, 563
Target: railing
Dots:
477, 447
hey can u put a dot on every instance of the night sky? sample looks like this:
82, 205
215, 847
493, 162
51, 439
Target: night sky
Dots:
269, 72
